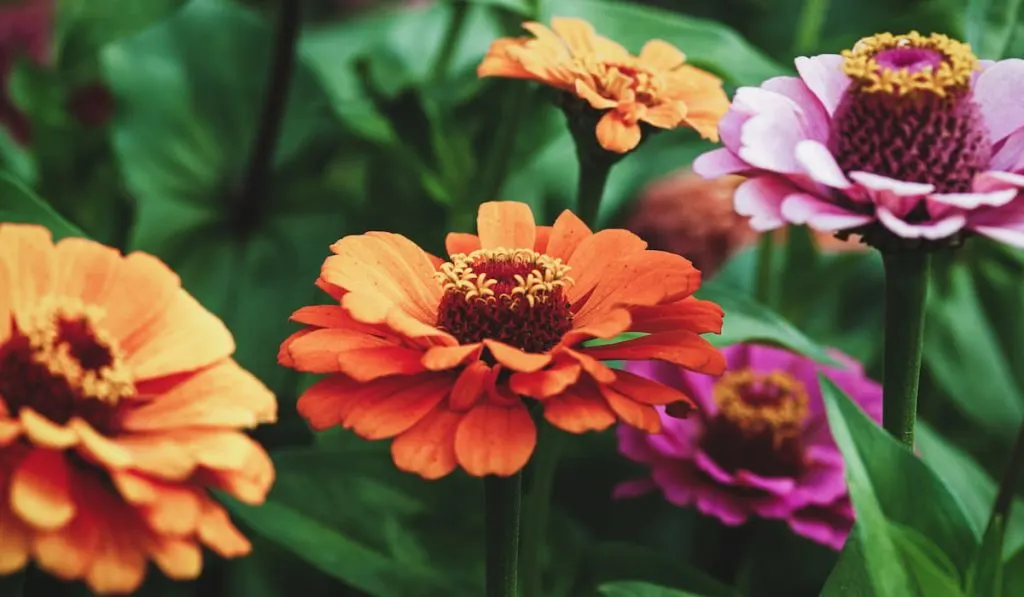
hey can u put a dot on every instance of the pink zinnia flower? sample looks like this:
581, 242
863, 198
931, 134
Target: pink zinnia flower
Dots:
903, 137
760, 445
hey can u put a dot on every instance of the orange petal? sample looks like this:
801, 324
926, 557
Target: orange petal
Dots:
85, 269
217, 532
506, 224
661, 55
495, 440
178, 558
98, 448
609, 325
28, 251
439, 358
45, 433
358, 355
579, 409
641, 416
175, 510
566, 234
323, 404
578, 34
6, 283
224, 395
119, 563
332, 316
470, 386
595, 368
614, 134
398, 407
498, 62
68, 552
387, 268
9, 430
547, 382
666, 115
645, 391
682, 348
428, 447
14, 548
516, 359
460, 242
161, 457
335, 292
690, 314
596, 101
40, 492
284, 357
596, 252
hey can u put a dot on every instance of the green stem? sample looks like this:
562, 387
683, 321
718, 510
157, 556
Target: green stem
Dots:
764, 275
537, 506
502, 496
808, 29
592, 179
460, 10
1008, 484
906, 288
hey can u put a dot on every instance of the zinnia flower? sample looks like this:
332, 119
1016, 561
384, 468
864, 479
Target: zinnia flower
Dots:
119, 407
656, 87
901, 140
438, 355
761, 445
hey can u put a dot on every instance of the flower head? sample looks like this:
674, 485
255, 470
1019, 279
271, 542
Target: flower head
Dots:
442, 355
897, 140
761, 445
119, 407
656, 87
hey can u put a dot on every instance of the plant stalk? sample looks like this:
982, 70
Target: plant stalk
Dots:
906, 289
1008, 484
537, 506
502, 499
592, 179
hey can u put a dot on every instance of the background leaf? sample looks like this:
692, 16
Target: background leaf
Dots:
19, 204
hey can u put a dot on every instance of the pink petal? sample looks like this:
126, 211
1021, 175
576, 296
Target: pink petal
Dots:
994, 180
760, 198
802, 208
975, 200
769, 138
719, 162
900, 188
678, 437
730, 126
1009, 156
708, 465
634, 488
820, 164
1005, 225
777, 486
821, 526
633, 444
815, 121
998, 91
932, 230
824, 76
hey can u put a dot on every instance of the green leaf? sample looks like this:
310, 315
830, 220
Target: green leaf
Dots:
706, 43
747, 320
16, 159
989, 25
20, 204
929, 568
876, 544
640, 589
1013, 575
607, 562
883, 473
985, 576
190, 92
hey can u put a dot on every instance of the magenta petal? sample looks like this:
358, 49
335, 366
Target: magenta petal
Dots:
760, 198
1009, 155
932, 230
900, 188
708, 465
719, 162
814, 119
998, 91
769, 138
633, 444
824, 76
678, 437
820, 164
777, 486
801, 208
1005, 225
975, 200
994, 180
820, 485
633, 489
821, 525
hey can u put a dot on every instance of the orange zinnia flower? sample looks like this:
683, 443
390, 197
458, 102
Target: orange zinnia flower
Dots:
119, 406
656, 87
438, 354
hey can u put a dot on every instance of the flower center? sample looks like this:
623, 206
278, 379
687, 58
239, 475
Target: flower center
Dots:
759, 422
511, 295
625, 82
59, 362
909, 112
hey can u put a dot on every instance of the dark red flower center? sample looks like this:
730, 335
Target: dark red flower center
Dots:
515, 296
909, 112
58, 362
759, 423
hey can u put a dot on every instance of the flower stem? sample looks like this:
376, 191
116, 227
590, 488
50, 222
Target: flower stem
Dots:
592, 180
537, 506
808, 29
502, 497
763, 290
1008, 484
906, 288
460, 10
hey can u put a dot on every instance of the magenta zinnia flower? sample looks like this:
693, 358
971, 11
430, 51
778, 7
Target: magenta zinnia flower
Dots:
761, 445
903, 137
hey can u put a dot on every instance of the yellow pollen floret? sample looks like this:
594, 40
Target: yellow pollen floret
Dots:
954, 72
782, 416
40, 325
544, 276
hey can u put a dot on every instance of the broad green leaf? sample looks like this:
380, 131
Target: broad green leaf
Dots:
190, 92
989, 24
883, 473
610, 561
1013, 575
985, 576
16, 160
747, 321
850, 575
706, 43
20, 204
85, 26
929, 569
872, 531
962, 354
640, 589
970, 485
